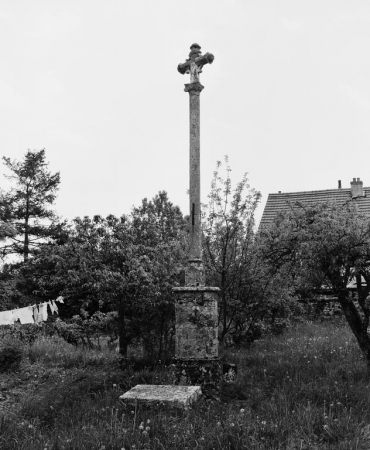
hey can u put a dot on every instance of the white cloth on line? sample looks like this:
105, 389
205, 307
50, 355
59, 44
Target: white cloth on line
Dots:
25, 315
6, 318
60, 299
51, 306
37, 315
43, 312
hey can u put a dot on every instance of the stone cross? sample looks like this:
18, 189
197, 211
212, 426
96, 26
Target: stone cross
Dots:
196, 362
195, 62
196, 334
194, 274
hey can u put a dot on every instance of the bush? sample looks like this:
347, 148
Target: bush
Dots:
11, 354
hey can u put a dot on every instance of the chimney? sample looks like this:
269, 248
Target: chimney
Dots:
357, 189
339, 184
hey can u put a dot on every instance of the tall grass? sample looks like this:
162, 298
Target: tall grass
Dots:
56, 351
308, 389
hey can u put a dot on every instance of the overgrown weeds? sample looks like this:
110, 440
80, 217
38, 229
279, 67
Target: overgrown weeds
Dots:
307, 389
56, 351
11, 354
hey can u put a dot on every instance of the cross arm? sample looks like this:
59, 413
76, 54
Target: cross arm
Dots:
201, 61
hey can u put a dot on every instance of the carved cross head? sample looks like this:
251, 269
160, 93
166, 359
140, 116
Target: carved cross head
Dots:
195, 63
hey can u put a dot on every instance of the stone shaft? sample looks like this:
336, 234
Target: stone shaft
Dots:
195, 242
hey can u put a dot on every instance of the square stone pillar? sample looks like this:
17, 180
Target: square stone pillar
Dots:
196, 342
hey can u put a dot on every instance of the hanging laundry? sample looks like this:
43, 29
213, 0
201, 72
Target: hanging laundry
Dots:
15, 315
37, 315
6, 318
25, 315
30, 314
53, 307
43, 312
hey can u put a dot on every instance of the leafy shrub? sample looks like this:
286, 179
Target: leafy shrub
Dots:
87, 331
11, 354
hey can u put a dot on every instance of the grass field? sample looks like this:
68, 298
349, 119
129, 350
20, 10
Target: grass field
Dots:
307, 389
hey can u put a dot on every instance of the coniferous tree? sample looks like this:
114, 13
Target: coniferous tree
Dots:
25, 207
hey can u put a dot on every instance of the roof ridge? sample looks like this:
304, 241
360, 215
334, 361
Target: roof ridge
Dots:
320, 190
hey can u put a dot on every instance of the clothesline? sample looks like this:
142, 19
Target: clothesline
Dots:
30, 314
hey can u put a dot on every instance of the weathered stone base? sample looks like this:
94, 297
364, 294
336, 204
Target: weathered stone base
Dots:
162, 395
196, 335
206, 373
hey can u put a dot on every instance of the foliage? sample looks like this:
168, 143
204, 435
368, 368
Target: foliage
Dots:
88, 332
249, 293
326, 246
160, 225
11, 354
6, 230
24, 209
10, 296
126, 264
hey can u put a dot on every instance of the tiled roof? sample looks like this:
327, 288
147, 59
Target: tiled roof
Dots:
279, 202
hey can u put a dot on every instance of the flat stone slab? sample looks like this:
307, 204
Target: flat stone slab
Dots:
162, 395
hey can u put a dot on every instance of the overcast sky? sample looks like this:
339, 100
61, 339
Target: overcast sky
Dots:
95, 83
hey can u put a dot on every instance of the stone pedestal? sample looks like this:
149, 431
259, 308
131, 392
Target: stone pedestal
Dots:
196, 346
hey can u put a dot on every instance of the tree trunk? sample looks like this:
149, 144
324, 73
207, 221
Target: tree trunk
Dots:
26, 241
224, 302
122, 338
357, 325
26, 229
159, 357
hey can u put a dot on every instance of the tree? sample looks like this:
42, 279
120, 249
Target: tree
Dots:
228, 249
326, 245
126, 264
26, 206
160, 225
